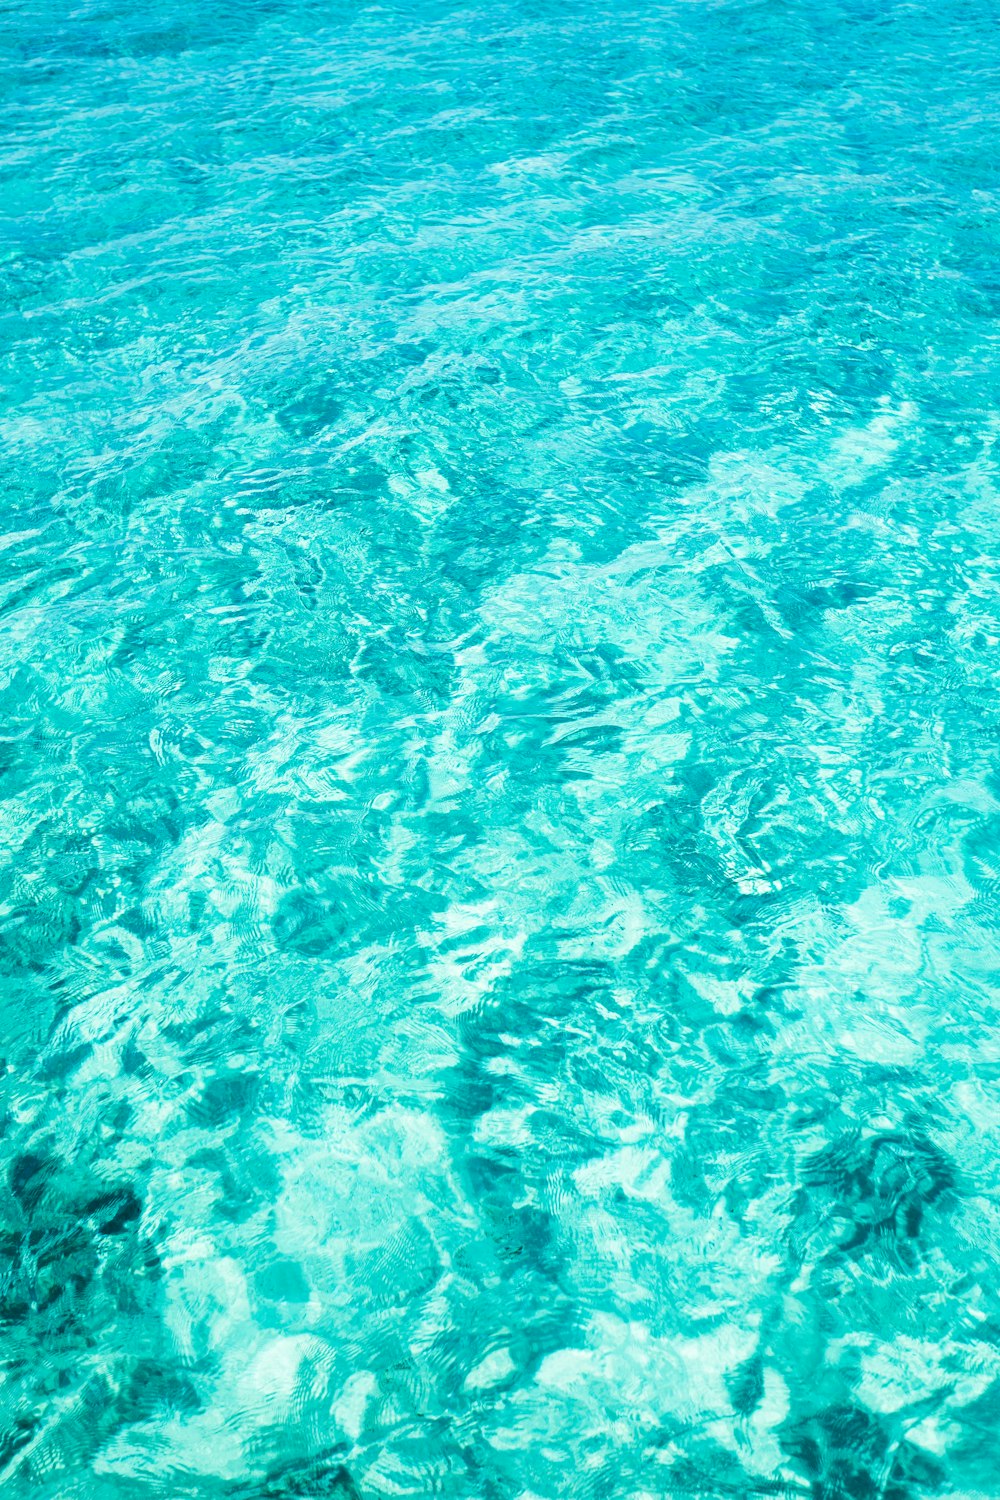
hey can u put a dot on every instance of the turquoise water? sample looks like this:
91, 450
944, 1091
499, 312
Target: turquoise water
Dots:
500, 898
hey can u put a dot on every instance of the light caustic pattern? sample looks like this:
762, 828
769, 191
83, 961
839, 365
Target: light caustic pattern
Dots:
500, 902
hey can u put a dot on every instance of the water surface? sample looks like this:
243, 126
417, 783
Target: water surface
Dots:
500, 894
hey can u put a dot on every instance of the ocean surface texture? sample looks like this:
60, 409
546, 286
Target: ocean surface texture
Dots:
500, 750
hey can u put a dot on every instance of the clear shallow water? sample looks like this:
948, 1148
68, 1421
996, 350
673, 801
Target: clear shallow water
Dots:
500, 798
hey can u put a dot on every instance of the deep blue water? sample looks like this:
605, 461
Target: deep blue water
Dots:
500, 750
